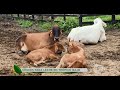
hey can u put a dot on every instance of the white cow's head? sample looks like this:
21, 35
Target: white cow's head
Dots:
99, 20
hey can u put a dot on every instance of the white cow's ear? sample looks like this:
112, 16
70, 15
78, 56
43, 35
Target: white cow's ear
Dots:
95, 22
104, 24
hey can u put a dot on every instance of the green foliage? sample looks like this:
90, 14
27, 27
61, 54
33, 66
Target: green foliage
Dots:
58, 19
113, 26
25, 23
109, 26
45, 26
91, 18
116, 25
67, 25
117, 17
71, 22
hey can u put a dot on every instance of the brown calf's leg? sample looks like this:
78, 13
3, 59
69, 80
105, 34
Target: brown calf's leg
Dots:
75, 64
39, 62
61, 65
52, 57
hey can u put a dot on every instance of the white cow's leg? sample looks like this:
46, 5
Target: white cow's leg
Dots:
102, 37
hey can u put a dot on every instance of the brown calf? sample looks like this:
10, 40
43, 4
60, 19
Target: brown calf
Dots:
75, 58
47, 53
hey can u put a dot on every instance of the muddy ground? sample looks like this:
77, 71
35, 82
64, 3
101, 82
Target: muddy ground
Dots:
103, 59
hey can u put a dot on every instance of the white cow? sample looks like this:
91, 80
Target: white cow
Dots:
90, 34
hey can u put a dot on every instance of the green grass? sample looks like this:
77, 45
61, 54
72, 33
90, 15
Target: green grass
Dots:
113, 26
25, 23
45, 26
117, 17
59, 19
91, 18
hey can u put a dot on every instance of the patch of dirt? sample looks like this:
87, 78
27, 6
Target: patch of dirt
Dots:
106, 55
103, 59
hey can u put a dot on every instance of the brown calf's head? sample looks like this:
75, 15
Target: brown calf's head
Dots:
74, 47
55, 32
21, 46
57, 48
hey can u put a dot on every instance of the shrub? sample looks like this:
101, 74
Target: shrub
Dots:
25, 23
67, 25
45, 26
113, 26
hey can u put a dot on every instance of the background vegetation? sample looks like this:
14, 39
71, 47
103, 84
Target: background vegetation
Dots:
67, 25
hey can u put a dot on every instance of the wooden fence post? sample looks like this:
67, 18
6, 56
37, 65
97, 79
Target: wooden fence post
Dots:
18, 15
24, 15
52, 17
113, 19
64, 17
80, 20
33, 17
42, 17
12, 16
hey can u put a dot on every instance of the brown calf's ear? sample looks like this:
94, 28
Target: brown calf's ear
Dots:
66, 43
68, 39
56, 48
70, 44
82, 45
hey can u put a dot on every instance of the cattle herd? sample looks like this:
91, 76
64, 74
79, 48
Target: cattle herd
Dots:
41, 47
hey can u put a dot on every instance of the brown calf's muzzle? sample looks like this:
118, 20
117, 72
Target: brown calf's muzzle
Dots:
59, 49
59, 52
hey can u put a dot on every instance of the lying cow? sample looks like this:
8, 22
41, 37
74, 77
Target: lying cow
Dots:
90, 34
32, 41
75, 58
43, 55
